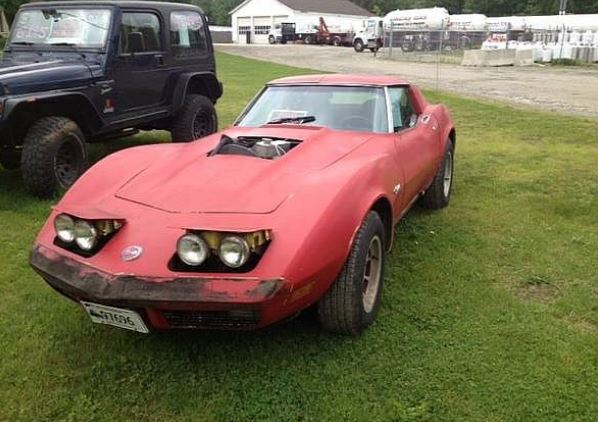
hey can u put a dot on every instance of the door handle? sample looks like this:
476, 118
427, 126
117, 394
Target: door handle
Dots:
159, 60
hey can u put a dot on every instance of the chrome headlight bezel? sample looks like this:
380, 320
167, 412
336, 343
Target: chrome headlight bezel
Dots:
86, 235
234, 245
185, 253
64, 227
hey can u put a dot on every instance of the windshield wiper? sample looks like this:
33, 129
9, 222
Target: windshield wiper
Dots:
298, 119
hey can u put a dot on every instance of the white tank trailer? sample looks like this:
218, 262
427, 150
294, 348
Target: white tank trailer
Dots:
570, 37
421, 29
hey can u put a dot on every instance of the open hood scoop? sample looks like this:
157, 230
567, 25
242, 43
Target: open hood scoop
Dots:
267, 148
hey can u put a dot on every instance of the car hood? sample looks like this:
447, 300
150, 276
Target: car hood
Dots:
190, 181
20, 76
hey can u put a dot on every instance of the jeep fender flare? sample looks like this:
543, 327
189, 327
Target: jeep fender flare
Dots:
75, 106
204, 83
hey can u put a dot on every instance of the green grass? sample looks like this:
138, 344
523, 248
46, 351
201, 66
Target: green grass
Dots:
490, 308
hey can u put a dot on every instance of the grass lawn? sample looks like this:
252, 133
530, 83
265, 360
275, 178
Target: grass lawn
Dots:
490, 308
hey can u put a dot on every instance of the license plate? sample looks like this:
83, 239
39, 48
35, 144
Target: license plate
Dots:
122, 318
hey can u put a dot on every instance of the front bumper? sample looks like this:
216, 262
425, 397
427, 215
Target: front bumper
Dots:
180, 302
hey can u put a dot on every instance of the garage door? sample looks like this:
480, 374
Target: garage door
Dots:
243, 27
261, 29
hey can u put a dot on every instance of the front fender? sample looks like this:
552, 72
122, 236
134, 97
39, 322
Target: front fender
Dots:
326, 219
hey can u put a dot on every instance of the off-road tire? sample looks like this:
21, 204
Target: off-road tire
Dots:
436, 196
10, 160
54, 155
358, 46
342, 309
195, 107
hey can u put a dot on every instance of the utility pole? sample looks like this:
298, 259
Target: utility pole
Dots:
563, 7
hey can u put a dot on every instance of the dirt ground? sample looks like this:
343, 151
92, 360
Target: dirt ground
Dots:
572, 90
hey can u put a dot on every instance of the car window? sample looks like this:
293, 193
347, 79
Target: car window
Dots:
402, 109
187, 34
351, 108
85, 28
140, 33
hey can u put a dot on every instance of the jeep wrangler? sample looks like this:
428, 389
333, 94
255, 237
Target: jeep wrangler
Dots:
76, 72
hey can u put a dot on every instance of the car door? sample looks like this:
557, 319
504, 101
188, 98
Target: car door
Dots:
416, 143
139, 71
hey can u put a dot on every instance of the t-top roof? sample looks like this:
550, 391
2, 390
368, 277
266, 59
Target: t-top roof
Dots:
340, 79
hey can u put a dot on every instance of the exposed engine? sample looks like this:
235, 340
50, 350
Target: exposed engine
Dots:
261, 147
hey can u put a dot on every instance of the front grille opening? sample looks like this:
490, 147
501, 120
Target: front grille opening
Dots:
231, 319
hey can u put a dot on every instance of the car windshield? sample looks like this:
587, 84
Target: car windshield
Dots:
86, 28
352, 108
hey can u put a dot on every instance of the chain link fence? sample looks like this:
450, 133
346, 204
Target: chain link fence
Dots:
447, 46
431, 46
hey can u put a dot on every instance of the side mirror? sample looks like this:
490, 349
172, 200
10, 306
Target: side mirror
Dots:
135, 42
412, 120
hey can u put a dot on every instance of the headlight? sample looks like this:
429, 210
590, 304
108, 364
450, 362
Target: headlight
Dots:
86, 235
65, 228
234, 251
192, 249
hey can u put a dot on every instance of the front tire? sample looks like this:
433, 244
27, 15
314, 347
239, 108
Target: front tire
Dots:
358, 46
196, 118
352, 302
54, 155
271, 39
439, 193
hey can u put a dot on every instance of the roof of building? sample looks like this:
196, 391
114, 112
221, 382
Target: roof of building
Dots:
337, 7
340, 79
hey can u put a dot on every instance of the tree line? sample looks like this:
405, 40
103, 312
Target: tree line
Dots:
217, 10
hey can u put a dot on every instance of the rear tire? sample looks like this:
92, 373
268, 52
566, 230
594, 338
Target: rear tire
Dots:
308, 40
352, 302
337, 42
54, 155
196, 118
438, 194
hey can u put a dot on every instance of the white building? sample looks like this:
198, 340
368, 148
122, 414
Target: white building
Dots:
257, 17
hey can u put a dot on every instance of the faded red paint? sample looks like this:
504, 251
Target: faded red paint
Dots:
313, 200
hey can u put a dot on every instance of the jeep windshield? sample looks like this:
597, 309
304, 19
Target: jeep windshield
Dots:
351, 108
64, 26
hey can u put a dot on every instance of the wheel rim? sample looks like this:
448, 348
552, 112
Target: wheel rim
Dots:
201, 125
67, 164
371, 274
448, 174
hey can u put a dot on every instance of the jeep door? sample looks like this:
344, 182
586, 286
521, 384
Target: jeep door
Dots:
139, 71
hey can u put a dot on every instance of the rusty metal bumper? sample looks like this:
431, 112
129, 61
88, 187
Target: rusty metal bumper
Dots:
158, 296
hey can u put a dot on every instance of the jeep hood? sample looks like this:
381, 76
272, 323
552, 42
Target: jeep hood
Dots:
24, 75
190, 181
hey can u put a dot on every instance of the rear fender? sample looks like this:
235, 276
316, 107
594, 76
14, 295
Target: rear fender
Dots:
204, 83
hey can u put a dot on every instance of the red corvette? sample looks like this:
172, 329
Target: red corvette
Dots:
293, 206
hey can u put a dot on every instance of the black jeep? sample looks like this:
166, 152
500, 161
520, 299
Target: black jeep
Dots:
80, 71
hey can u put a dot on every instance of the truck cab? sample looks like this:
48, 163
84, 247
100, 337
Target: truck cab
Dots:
370, 36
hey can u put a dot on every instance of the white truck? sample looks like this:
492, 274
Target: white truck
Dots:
422, 29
